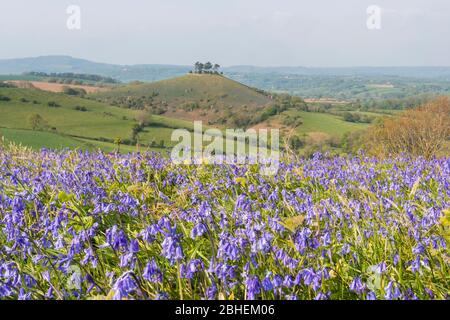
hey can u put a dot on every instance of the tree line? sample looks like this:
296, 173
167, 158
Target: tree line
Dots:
73, 76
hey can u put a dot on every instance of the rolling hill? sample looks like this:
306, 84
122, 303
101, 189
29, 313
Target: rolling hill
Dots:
214, 99
73, 121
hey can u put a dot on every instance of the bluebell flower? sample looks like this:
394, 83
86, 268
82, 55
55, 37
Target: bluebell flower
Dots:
371, 296
198, 231
124, 286
162, 296
211, 292
152, 273
321, 296
381, 268
253, 287
357, 286
392, 291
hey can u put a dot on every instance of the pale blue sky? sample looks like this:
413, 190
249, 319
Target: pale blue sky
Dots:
231, 32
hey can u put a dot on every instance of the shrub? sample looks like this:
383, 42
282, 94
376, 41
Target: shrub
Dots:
53, 104
6, 85
74, 91
37, 122
419, 132
81, 108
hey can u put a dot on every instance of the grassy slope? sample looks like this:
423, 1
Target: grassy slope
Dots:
101, 120
194, 88
39, 139
323, 122
93, 123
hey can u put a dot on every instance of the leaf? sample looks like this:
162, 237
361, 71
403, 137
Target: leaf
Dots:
414, 188
241, 181
64, 197
293, 223
88, 222
445, 220
85, 223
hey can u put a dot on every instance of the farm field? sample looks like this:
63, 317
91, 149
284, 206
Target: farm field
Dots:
98, 121
140, 227
37, 140
323, 122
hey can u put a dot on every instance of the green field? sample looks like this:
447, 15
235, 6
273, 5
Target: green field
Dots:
100, 121
38, 140
323, 122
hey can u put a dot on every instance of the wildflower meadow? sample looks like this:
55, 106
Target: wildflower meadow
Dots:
80, 225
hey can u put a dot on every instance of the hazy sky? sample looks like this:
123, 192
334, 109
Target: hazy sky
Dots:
231, 32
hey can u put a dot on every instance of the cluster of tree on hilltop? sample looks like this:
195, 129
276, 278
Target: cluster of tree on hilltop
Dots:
206, 68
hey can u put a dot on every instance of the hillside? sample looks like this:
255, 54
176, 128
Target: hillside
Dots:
76, 121
211, 98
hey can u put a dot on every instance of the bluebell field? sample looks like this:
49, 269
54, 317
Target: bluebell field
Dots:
76, 225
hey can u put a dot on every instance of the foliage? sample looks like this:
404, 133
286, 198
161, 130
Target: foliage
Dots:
422, 131
37, 122
81, 108
74, 91
53, 104
207, 68
73, 78
355, 117
6, 85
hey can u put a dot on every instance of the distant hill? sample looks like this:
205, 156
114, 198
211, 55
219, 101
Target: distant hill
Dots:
212, 98
67, 64
408, 72
154, 72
